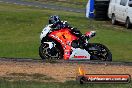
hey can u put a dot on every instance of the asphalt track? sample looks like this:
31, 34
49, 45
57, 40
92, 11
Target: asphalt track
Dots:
67, 61
42, 5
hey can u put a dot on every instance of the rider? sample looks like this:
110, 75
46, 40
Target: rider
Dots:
58, 24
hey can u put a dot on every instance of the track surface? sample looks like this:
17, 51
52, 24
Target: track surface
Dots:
40, 5
66, 61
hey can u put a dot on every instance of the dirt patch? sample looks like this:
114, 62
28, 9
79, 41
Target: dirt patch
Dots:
57, 72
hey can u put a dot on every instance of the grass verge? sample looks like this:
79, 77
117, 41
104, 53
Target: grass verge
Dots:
69, 84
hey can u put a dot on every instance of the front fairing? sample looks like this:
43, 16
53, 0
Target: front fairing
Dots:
65, 38
45, 31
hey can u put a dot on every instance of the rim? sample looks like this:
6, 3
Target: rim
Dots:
100, 52
44, 51
47, 56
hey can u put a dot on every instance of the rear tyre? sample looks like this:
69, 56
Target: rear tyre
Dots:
128, 24
99, 52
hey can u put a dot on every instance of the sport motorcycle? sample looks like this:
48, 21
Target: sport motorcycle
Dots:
62, 44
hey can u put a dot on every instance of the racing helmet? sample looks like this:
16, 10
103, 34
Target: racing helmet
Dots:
54, 19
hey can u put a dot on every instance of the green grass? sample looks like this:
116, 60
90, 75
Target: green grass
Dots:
20, 27
69, 84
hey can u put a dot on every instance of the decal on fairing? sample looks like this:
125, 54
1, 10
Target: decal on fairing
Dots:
80, 57
78, 53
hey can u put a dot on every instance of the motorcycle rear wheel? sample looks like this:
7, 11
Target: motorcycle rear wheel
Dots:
99, 52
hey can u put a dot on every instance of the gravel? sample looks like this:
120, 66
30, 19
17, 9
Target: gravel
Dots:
55, 72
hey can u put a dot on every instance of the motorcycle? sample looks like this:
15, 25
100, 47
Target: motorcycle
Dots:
62, 44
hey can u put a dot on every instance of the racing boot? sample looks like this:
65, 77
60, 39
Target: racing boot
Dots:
87, 36
90, 34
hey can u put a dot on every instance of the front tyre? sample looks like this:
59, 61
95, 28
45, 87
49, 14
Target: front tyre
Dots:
113, 20
99, 52
44, 52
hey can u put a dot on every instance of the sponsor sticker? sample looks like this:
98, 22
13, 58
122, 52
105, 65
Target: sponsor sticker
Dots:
105, 78
80, 57
102, 78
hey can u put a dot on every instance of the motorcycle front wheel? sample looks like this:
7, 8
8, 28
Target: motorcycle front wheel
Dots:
44, 54
99, 52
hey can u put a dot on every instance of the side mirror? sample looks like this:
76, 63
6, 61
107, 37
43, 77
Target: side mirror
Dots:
130, 3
